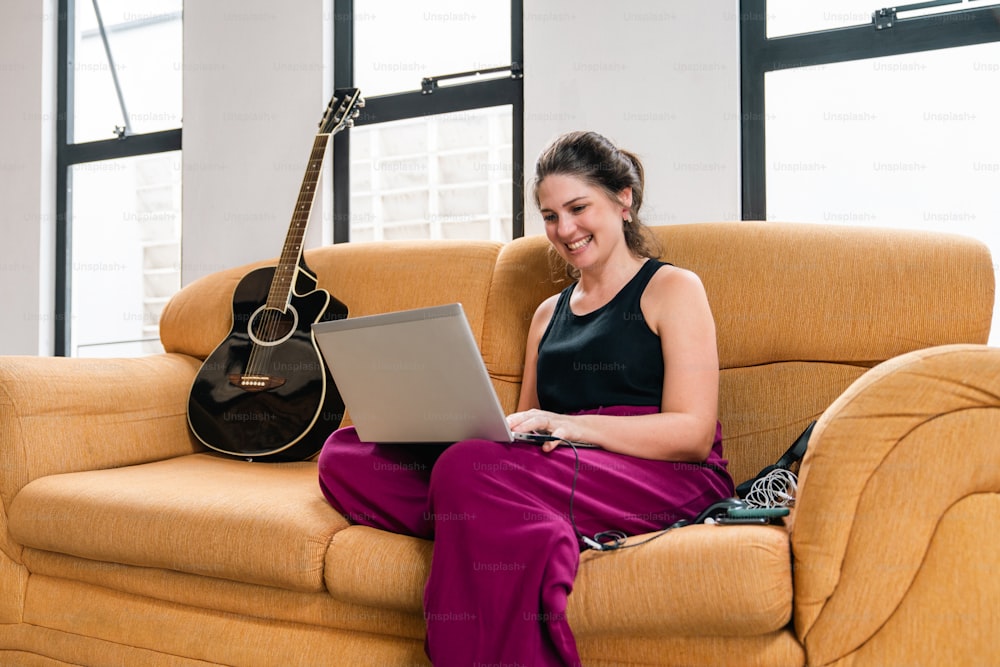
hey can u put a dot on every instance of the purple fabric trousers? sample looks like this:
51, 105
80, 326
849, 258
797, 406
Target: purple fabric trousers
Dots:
505, 551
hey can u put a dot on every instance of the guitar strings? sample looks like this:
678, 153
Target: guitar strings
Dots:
268, 324
270, 318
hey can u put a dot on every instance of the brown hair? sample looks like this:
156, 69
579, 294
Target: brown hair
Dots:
593, 158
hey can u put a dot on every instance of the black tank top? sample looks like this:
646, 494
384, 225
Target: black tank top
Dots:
606, 357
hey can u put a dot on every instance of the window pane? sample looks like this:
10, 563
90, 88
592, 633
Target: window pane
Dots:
146, 46
446, 176
789, 17
907, 141
399, 42
126, 222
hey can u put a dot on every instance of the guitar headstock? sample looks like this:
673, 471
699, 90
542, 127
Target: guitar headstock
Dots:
344, 107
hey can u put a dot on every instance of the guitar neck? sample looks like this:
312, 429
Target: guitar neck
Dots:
284, 276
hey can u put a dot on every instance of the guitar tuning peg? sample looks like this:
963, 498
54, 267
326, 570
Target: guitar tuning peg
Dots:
357, 112
360, 103
349, 123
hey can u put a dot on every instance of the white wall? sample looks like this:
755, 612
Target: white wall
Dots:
659, 78
255, 87
27, 176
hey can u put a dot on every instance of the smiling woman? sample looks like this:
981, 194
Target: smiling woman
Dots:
624, 360
626, 310
594, 160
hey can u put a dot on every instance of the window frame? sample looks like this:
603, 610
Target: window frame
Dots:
69, 154
760, 54
414, 104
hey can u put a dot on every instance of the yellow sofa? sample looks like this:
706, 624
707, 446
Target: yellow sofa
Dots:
124, 542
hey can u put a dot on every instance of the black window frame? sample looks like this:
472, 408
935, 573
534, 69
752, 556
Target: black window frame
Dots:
415, 104
69, 154
760, 54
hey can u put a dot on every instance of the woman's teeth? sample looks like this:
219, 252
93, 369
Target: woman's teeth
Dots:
579, 244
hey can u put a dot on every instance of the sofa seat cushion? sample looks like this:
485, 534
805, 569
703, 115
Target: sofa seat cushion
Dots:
700, 580
258, 523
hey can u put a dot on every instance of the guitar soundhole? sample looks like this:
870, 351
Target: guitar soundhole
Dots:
270, 326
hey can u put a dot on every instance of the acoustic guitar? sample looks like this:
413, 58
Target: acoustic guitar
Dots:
265, 393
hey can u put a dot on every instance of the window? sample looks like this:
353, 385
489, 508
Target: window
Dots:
125, 252
460, 35
437, 150
442, 176
144, 42
118, 180
790, 17
891, 125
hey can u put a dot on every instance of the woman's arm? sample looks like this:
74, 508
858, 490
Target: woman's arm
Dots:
528, 397
676, 307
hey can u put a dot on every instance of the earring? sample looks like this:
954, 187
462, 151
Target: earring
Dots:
628, 218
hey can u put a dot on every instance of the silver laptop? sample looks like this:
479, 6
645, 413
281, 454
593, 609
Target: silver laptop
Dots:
414, 376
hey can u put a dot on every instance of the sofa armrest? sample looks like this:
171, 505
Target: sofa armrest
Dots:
895, 527
62, 415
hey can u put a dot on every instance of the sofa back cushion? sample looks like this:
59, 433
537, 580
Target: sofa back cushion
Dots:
801, 310
369, 278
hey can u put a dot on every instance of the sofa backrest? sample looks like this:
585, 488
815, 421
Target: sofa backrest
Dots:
801, 310
369, 278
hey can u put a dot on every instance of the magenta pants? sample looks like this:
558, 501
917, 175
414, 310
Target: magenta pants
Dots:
505, 551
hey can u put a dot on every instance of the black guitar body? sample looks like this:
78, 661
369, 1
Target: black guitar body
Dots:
265, 393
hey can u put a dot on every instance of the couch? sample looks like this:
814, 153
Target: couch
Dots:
123, 541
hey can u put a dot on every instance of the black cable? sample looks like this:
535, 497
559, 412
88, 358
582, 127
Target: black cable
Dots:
618, 537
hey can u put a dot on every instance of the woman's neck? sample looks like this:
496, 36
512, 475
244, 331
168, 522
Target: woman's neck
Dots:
600, 283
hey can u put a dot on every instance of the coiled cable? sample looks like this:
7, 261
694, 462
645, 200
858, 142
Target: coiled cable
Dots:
775, 489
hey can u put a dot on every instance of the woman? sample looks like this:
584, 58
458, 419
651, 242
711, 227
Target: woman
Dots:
623, 359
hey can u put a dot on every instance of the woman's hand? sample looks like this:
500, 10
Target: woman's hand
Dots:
565, 427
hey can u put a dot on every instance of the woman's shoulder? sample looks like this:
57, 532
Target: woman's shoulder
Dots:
673, 289
547, 307
674, 279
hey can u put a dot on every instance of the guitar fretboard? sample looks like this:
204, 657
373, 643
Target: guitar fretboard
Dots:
284, 275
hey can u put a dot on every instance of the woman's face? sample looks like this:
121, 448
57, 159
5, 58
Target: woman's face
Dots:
582, 222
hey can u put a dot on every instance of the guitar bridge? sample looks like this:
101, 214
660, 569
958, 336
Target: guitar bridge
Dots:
255, 382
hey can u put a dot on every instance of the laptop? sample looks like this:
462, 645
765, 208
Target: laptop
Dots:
414, 376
